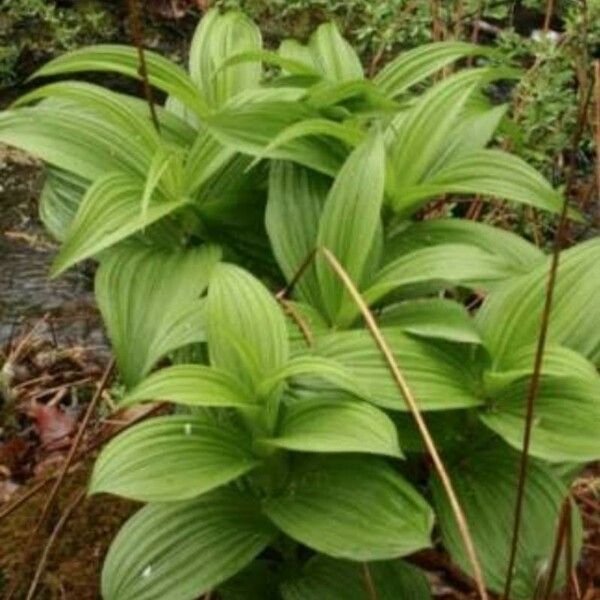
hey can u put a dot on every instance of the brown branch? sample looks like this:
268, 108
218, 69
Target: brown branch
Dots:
137, 35
540, 347
77, 498
414, 409
558, 547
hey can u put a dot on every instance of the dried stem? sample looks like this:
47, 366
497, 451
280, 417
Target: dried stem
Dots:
541, 343
369, 583
135, 24
558, 547
77, 498
597, 129
548, 15
414, 409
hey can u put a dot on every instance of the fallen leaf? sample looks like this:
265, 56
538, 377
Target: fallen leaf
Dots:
52, 422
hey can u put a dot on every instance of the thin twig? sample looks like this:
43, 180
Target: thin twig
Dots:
77, 498
414, 409
548, 15
287, 290
75, 445
541, 344
597, 131
369, 583
570, 571
138, 39
558, 547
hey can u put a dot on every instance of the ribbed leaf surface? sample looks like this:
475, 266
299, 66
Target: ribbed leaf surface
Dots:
246, 328
352, 507
335, 425
191, 385
171, 458
150, 303
330, 579
441, 375
565, 425
180, 550
485, 480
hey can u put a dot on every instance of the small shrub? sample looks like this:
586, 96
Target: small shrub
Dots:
291, 464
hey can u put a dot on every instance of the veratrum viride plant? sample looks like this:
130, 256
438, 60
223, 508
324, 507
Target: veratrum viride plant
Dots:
291, 468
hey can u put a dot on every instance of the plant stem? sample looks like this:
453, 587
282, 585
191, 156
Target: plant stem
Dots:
414, 409
138, 39
369, 583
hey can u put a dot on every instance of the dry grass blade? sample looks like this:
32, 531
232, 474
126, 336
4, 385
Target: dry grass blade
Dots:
414, 409
563, 523
77, 498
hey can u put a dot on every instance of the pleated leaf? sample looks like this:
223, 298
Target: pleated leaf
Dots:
435, 318
191, 385
485, 172
565, 425
441, 376
180, 550
246, 328
351, 220
115, 58
485, 481
335, 425
176, 457
217, 38
333, 56
415, 65
68, 138
357, 508
294, 206
110, 211
510, 316
558, 361
150, 303
512, 248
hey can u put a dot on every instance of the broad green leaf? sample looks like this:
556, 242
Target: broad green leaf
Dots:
485, 480
204, 159
333, 56
110, 211
357, 508
510, 316
217, 38
423, 132
114, 58
512, 248
351, 220
150, 303
335, 425
180, 550
246, 328
293, 50
558, 361
431, 269
294, 206
176, 457
330, 579
415, 65
71, 139
441, 376
60, 200
566, 417
250, 127
357, 95
312, 320
105, 103
317, 367
483, 172
191, 385
258, 581
435, 318
286, 63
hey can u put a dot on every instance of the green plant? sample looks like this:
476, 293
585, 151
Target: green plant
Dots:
279, 474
